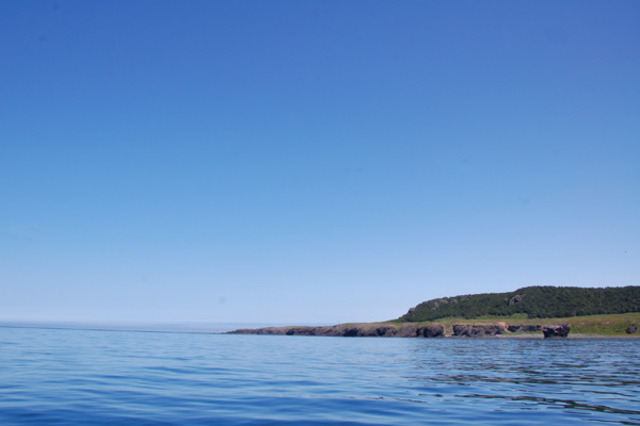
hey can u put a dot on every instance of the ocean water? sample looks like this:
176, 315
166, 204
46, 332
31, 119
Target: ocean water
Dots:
55, 377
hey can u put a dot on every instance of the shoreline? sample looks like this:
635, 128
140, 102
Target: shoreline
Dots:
447, 329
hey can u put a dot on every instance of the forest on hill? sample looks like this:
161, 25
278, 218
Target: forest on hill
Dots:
535, 302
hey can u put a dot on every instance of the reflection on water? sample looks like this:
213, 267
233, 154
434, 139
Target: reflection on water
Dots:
569, 375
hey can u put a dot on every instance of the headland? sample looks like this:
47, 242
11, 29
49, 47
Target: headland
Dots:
535, 312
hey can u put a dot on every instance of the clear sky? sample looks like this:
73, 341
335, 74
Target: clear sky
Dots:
312, 161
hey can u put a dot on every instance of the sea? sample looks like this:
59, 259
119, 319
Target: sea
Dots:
113, 377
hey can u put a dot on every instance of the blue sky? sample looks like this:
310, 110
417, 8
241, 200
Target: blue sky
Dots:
312, 161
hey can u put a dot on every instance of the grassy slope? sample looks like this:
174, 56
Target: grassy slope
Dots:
614, 325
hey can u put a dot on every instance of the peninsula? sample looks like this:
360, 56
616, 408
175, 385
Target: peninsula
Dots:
527, 312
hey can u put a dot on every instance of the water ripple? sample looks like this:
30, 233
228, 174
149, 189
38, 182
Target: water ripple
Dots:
89, 377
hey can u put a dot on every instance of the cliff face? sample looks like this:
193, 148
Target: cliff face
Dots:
353, 330
478, 330
409, 330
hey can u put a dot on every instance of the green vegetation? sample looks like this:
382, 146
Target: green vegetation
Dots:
606, 325
613, 325
530, 302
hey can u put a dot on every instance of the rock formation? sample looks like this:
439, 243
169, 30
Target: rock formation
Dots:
353, 330
413, 330
477, 330
433, 330
557, 330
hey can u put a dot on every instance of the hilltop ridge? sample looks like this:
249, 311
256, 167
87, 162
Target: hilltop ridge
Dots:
535, 302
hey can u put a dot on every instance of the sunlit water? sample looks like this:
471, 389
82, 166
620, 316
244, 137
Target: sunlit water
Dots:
118, 377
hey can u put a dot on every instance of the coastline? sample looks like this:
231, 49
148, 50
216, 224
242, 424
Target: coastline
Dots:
604, 327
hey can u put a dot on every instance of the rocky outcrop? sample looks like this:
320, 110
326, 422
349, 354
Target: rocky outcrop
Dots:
556, 330
353, 330
477, 330
414, 330
433, 330
408, 330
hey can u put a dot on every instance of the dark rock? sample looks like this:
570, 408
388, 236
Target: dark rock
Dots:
358, 331
433, 330
407, 330
556, 330
524, 328
270, 330
301, 331
365, 330
462, 330
243, 331
386, 331
477, 330
350, 332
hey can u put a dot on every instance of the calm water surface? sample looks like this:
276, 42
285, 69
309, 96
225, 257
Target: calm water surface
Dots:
118, 377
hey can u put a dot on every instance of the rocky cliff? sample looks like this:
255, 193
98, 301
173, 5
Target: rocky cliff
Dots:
410, 330
353, 330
